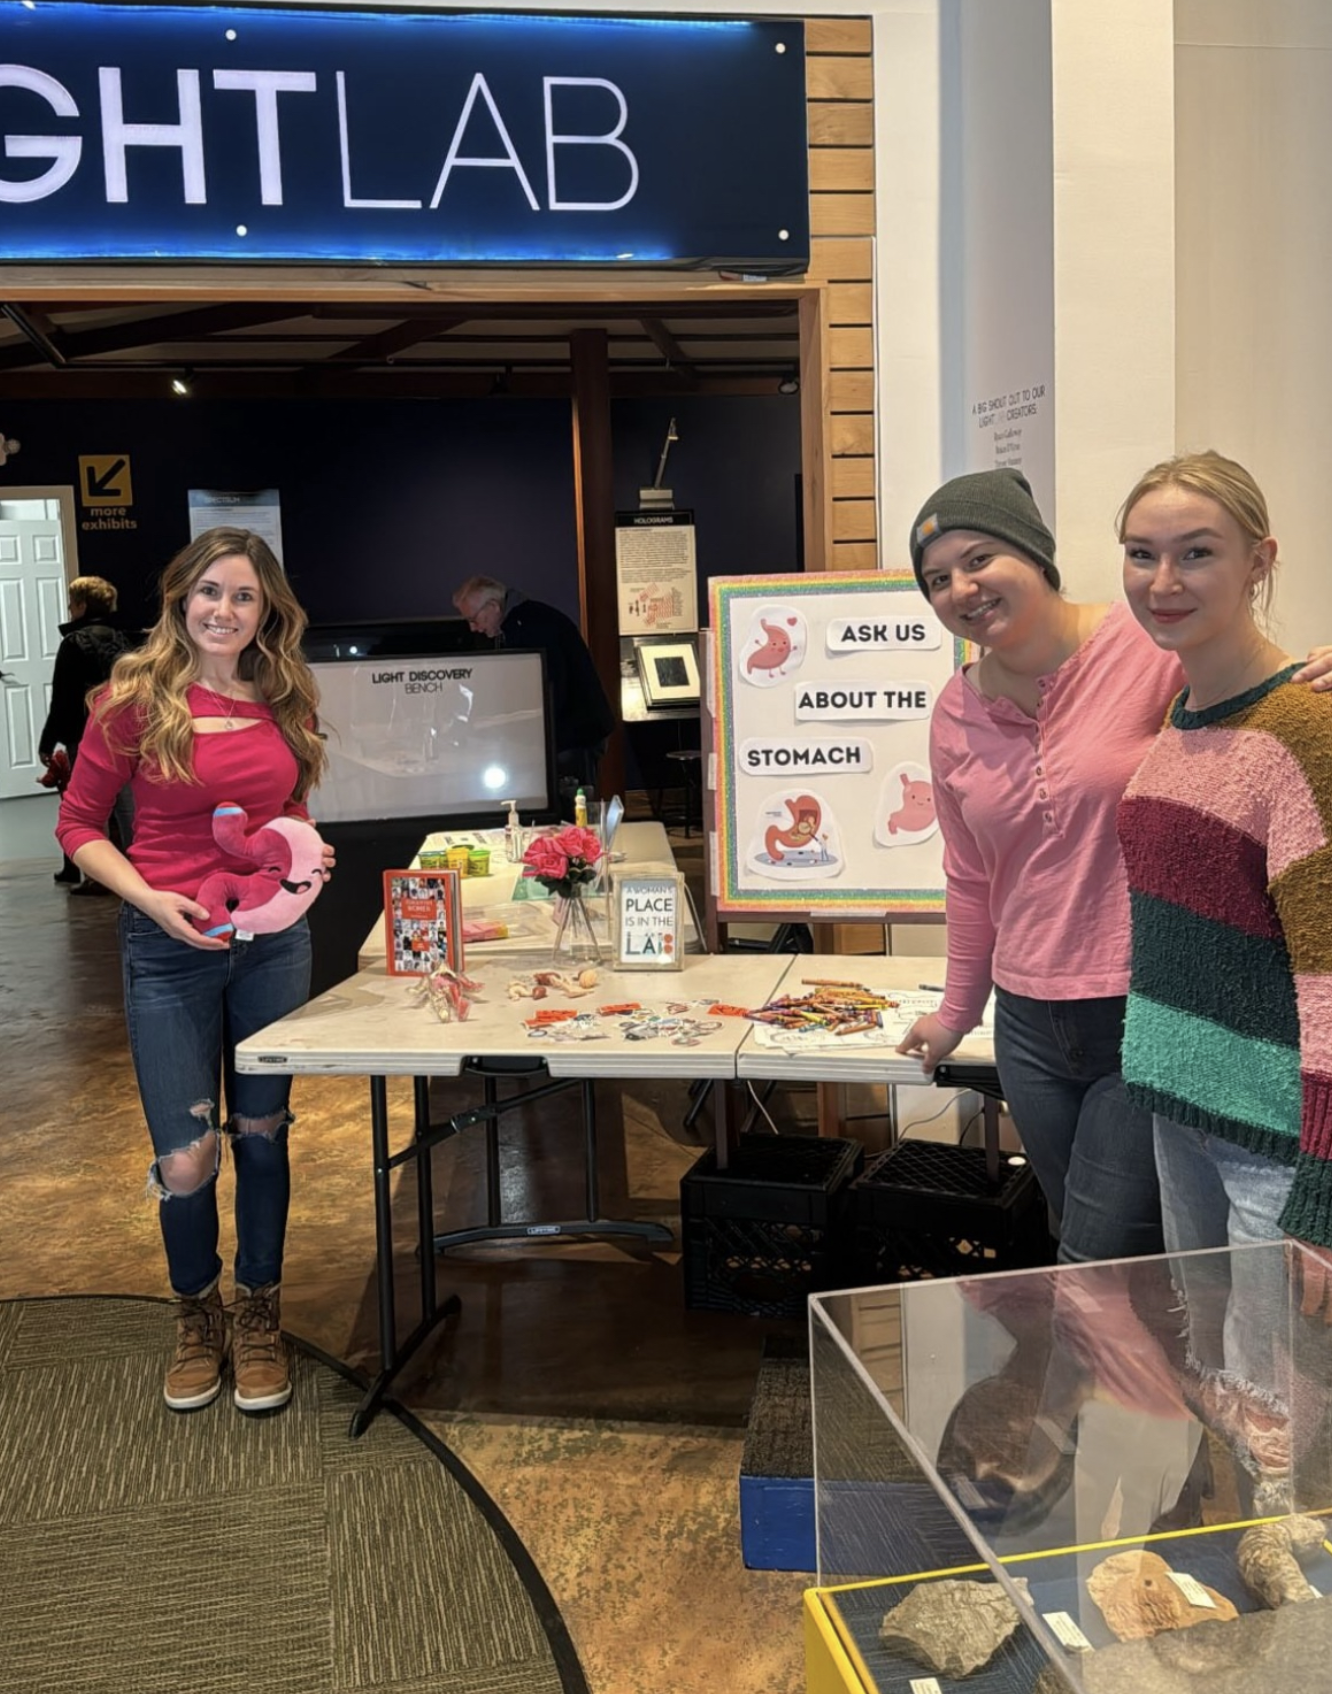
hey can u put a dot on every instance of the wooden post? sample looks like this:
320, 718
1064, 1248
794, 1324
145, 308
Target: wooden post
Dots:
594, 498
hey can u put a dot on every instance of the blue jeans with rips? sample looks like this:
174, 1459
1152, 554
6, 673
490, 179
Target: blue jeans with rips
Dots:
1092, 1152
186, 1009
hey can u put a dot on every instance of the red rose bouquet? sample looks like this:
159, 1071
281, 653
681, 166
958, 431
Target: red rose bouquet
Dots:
564, 862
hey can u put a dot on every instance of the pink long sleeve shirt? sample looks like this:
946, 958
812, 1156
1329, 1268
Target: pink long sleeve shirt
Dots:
1037, 900
173, 843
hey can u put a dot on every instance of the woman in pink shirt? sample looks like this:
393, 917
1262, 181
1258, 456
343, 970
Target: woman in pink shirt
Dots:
1031, 749
217, 707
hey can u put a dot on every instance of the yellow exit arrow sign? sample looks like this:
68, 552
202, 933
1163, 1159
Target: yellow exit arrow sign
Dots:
104, 479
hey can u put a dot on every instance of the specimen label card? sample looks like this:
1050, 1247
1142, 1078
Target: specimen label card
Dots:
1066, 1632
1192, 1590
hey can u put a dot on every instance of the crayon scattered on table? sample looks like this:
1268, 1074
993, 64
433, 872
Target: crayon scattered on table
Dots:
837, 1007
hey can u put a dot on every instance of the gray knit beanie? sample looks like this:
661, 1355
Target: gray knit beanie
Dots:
997, 503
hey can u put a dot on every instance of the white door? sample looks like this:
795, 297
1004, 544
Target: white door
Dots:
32, 608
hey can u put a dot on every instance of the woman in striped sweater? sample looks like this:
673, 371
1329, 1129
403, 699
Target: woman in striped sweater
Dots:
1227, 837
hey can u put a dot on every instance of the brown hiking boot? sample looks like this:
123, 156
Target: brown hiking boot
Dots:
194, 1376
259, 1354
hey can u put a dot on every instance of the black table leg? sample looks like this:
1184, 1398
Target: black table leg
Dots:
496, 1228
392, 1357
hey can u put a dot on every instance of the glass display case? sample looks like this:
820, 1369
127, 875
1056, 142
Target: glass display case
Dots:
1105, 1478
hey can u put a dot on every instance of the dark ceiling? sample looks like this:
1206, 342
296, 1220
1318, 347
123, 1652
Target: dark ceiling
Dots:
431, 350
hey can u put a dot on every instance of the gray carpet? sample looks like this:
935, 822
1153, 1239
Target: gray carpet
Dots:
146, 1552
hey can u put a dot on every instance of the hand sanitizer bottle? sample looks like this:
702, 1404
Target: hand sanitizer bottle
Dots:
513, 835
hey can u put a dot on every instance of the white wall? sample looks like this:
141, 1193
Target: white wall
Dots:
1254, 99
1114, 195
1031, 246
907, 246
997, 241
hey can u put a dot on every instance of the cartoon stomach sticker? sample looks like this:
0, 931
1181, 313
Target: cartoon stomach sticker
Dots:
774, 648
795, 838
905, 813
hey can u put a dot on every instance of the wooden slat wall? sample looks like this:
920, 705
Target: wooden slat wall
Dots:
839, 86
839, 89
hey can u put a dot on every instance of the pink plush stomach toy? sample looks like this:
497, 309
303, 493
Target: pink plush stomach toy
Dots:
288, 859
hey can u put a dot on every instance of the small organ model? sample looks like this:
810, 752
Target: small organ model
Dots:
288, 859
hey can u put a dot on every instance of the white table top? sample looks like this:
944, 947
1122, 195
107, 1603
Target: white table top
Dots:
850, 1061
371, 1025
644, 846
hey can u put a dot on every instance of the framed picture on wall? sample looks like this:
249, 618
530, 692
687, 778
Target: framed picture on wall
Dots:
669, 672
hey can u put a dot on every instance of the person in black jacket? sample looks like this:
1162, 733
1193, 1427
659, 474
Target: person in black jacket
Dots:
582, 715
90, 645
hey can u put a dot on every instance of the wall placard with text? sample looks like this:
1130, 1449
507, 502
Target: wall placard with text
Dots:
656, 572
823, 688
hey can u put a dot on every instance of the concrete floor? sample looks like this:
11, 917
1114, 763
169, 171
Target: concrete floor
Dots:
604, 1418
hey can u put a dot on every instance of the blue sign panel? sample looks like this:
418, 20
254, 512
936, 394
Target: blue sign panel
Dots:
238, 133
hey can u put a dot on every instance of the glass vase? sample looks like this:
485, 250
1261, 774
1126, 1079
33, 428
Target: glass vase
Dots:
575, 938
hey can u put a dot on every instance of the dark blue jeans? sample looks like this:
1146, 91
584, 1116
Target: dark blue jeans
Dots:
186, 1009
1091, 1150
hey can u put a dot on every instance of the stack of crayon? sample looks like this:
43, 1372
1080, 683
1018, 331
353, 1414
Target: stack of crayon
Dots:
839, 1008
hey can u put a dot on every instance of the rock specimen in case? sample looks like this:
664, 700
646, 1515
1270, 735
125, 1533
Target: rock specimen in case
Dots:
1138, 1596
1282, 1652
952, 1627
1269, 1558
1052, 1681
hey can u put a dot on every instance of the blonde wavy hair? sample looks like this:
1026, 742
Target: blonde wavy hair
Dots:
151, 680
1228, 483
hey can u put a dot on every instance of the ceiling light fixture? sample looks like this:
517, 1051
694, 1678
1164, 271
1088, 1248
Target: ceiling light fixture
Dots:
183, 384
789, 384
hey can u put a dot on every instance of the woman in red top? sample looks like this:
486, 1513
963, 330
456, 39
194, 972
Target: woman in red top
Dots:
217, 706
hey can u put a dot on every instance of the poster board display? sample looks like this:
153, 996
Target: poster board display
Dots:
422, 922
449, 736
656, 573
822, 690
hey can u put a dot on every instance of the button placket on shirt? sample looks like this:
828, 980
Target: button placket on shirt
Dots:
1042, 792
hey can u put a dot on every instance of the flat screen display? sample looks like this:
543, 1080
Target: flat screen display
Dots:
448, 736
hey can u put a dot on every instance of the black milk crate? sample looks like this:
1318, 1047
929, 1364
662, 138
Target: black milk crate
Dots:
758, 1236
927, 1208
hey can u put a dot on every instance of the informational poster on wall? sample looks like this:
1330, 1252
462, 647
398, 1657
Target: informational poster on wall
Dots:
655, 568
258, 509
823, 689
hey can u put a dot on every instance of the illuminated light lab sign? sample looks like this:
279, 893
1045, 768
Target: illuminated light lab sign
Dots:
181, 132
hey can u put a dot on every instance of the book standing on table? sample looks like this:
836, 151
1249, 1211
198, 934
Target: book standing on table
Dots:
422, 921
